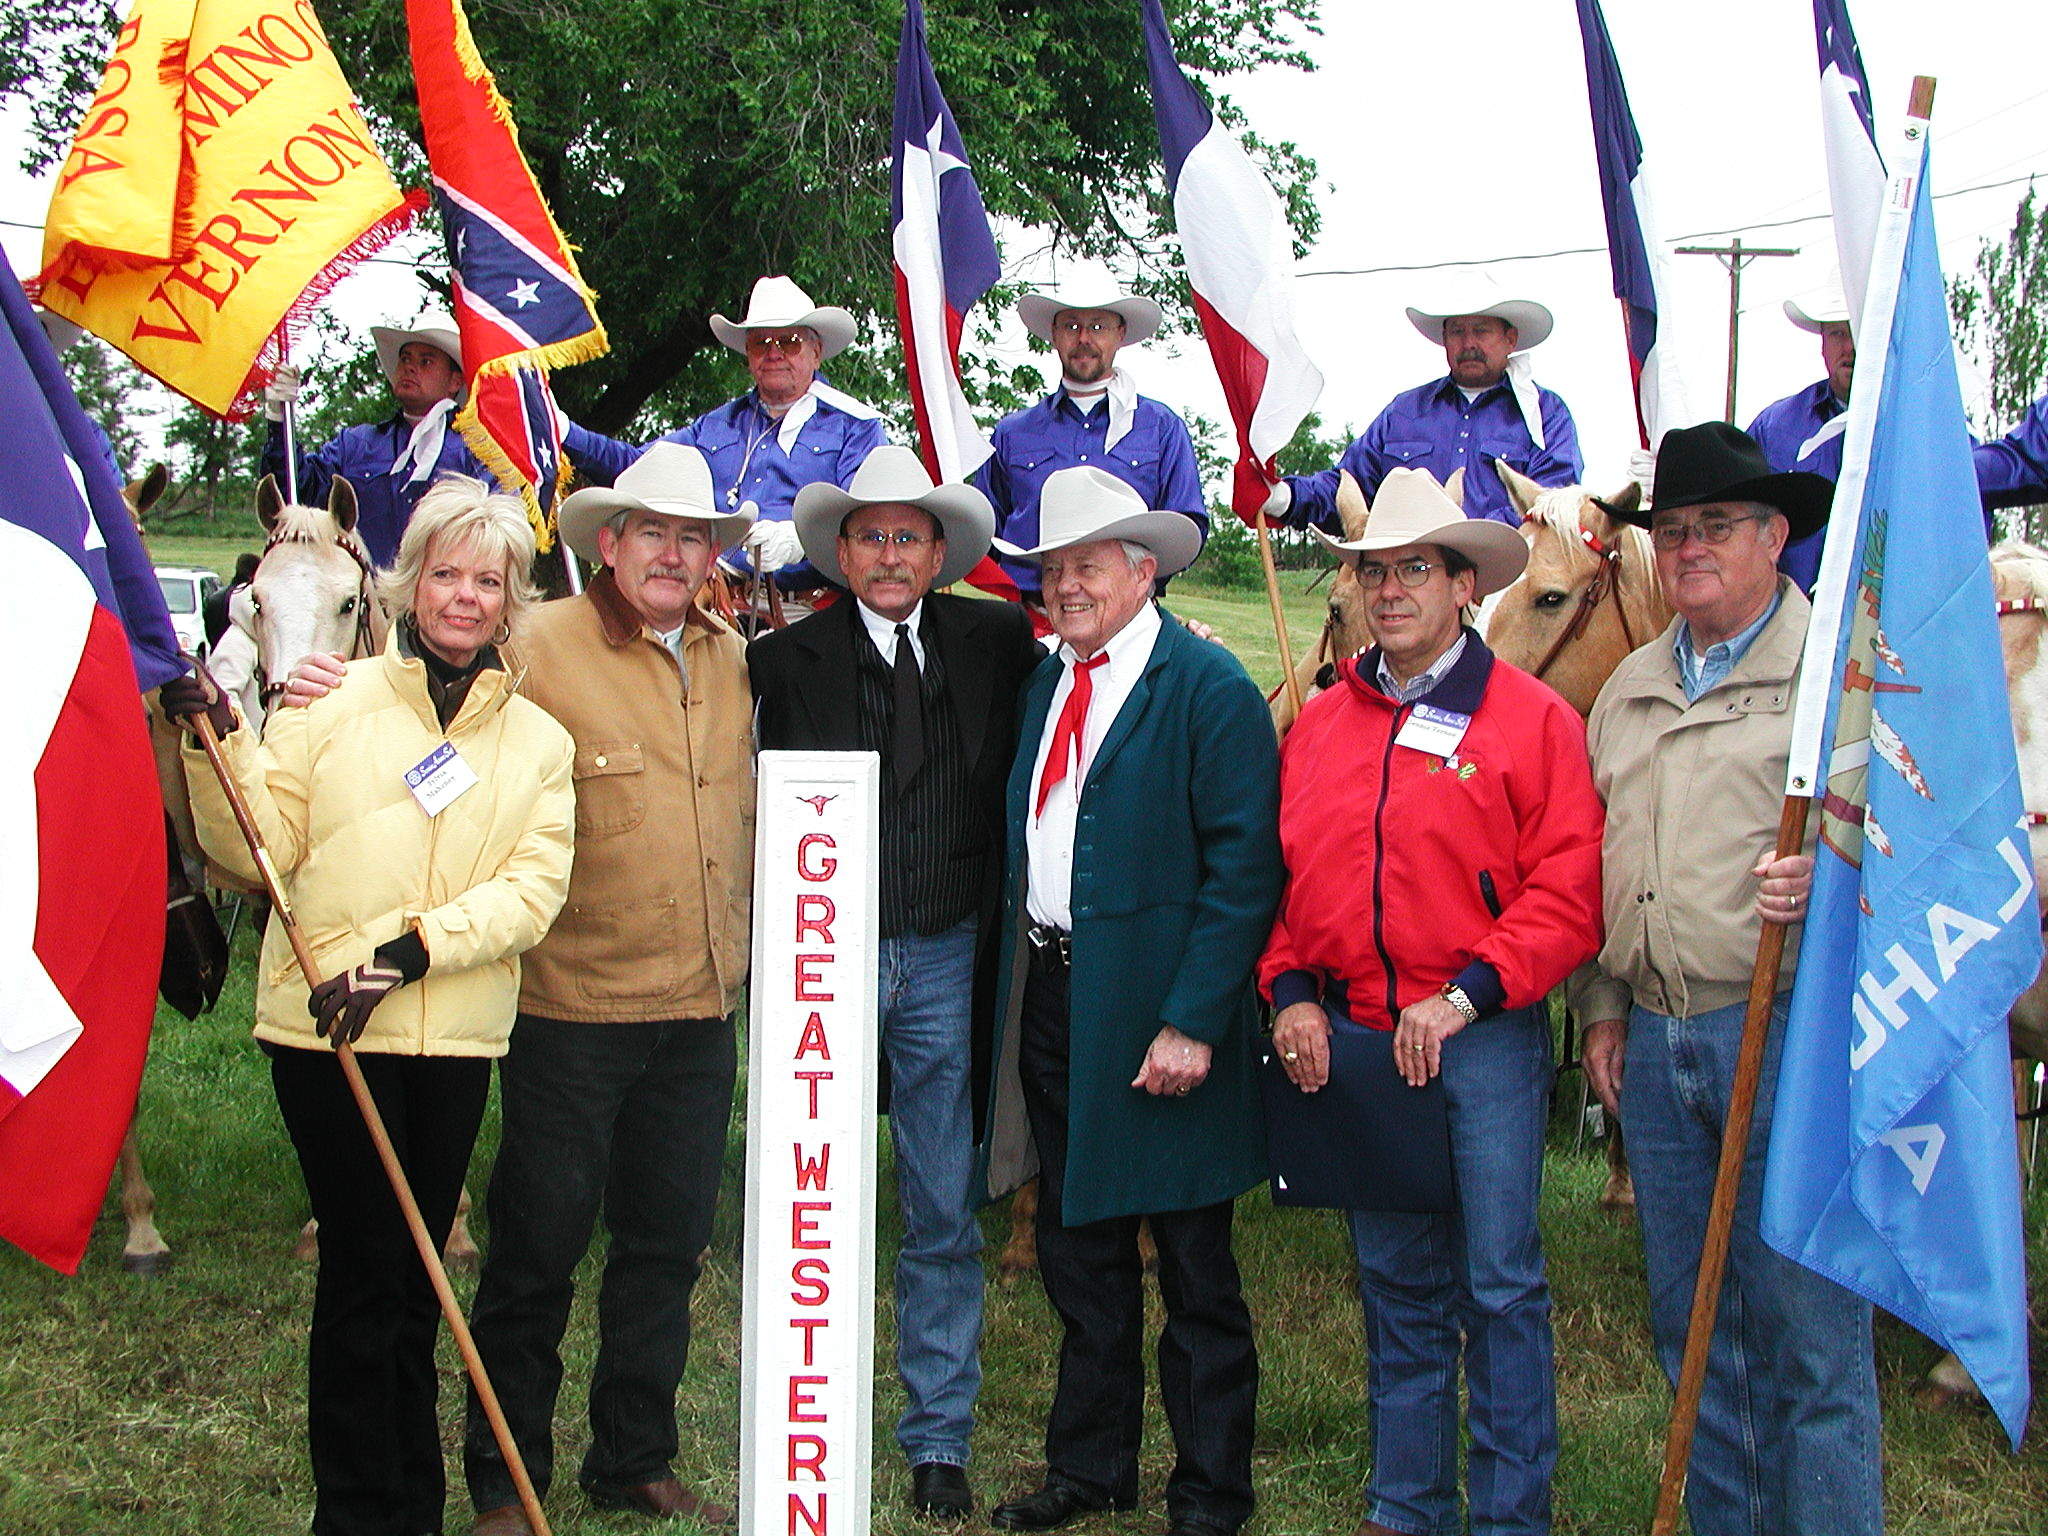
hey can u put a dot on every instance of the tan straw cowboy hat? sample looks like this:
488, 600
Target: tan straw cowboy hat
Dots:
1412, 508
892, 475
1081, 504
668, 478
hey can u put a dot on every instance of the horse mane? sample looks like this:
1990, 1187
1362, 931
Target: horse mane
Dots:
300, 524
2017, 564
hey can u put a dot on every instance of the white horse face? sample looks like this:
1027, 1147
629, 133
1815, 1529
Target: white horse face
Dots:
308, 598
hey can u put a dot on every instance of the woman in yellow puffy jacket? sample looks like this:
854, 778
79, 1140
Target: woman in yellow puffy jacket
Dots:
421, 819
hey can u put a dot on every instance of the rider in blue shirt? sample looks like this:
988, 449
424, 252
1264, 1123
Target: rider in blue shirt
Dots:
1096, 416
390, 463
1794, 433
792, 429
1487, 407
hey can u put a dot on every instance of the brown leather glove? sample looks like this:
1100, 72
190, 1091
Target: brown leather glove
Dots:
184, 699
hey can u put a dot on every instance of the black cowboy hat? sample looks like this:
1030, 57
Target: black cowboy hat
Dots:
1715, 462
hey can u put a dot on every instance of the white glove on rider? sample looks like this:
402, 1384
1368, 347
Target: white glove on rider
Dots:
1278, 502
773, 544
282, 390
1642, 468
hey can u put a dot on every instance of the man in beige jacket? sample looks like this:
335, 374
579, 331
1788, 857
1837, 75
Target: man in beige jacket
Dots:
1689, 741
618, 1083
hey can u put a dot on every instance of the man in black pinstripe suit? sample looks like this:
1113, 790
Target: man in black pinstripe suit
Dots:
930, 682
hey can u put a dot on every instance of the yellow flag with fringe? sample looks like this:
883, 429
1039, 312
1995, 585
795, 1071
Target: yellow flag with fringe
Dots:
221, 181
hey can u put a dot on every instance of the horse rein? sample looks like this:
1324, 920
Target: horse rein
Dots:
365, 595
1606, 581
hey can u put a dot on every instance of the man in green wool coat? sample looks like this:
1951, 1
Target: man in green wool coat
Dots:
1143, 872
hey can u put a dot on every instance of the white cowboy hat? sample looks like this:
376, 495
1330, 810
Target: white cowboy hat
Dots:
436, 331
1833, 309
1081, 504
893, 475
668, 478
777, 303
1531, 320
1140, 315
1412, 508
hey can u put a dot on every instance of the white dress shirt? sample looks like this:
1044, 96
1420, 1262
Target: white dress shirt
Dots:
1049, 837
883, 632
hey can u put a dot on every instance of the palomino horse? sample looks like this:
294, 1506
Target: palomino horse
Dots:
1588, 597
313, 591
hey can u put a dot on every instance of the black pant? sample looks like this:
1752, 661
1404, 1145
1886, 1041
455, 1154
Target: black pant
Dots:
629, 1119
1208, 1365
370, 1384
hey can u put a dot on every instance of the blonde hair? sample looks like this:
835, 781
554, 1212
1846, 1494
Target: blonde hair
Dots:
458, 510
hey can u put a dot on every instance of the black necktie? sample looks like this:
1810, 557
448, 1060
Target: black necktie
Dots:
909, 744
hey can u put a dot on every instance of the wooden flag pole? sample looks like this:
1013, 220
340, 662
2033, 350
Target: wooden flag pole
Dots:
429, 1250
1706, 1294
1265, 538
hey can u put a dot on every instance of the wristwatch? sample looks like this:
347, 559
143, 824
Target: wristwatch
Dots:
1455, 996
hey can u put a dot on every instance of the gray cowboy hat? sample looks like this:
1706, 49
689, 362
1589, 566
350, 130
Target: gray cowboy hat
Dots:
1140, 316
892, 475
1832, 310
668, 478
1532, 322
1080, 504
1412, 508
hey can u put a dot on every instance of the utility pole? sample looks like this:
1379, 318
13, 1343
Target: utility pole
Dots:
1734, 256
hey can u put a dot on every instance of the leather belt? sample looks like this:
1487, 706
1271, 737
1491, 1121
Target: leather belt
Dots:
1050, 946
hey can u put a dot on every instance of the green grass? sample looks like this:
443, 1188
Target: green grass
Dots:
174, 1407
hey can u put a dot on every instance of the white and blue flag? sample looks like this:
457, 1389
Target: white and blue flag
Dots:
1892, 1165
1849, 134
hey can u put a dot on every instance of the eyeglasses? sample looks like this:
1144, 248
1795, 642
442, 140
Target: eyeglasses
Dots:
877, 539
1413, 573
1717, 529
777, 341
1087, 327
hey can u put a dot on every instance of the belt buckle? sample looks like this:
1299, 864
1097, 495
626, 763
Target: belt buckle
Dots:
1052, 944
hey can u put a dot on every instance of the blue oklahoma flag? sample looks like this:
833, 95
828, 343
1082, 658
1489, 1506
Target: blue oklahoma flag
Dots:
1892, 1164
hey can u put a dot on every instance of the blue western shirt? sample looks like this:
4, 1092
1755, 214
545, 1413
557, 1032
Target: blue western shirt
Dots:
363, 456
747, 461
1156, 458
2011, 472
1697, 673
1434, 427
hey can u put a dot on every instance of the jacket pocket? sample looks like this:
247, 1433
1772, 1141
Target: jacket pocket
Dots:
611, 788
1488, 893
624, 952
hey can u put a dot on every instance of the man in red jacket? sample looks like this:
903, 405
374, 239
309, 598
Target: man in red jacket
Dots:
1442, 841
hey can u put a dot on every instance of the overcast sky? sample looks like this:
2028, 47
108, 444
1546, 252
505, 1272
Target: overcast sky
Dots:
1460, 133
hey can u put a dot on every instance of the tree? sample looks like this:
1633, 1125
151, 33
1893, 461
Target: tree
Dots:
688, 148
113, 392
2001, 319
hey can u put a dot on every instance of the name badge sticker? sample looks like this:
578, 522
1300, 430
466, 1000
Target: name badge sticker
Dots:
440, 778
1433, 730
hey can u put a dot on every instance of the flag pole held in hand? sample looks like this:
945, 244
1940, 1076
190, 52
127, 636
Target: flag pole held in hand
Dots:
423, 1240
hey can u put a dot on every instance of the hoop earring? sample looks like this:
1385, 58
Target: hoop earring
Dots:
502, 633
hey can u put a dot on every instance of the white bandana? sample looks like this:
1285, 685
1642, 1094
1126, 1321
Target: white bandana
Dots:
416, 461
805, 406
1522, 382
1121, 391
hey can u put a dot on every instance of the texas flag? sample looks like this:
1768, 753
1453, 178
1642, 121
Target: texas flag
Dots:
1856, 175
520, 303
945, 261
1239, 251
81, 818
1632, 248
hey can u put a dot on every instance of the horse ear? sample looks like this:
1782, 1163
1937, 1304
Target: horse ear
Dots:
151, 488
1522, 491
341, 502
1627, 499
1455, 487
269, 502
1352, 508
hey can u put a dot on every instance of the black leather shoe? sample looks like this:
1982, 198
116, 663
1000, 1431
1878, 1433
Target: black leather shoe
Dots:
1051, 1507
939, 1488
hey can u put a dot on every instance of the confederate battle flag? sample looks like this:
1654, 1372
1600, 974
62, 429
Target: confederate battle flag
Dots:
81, 818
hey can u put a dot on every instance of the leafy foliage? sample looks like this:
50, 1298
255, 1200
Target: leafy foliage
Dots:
2001, 313
688, 146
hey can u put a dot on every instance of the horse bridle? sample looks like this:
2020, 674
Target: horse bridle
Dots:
1606, 582
365, 595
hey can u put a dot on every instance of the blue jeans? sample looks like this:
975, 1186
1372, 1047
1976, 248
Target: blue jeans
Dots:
926, 988
1430, 1282
1787, 1442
